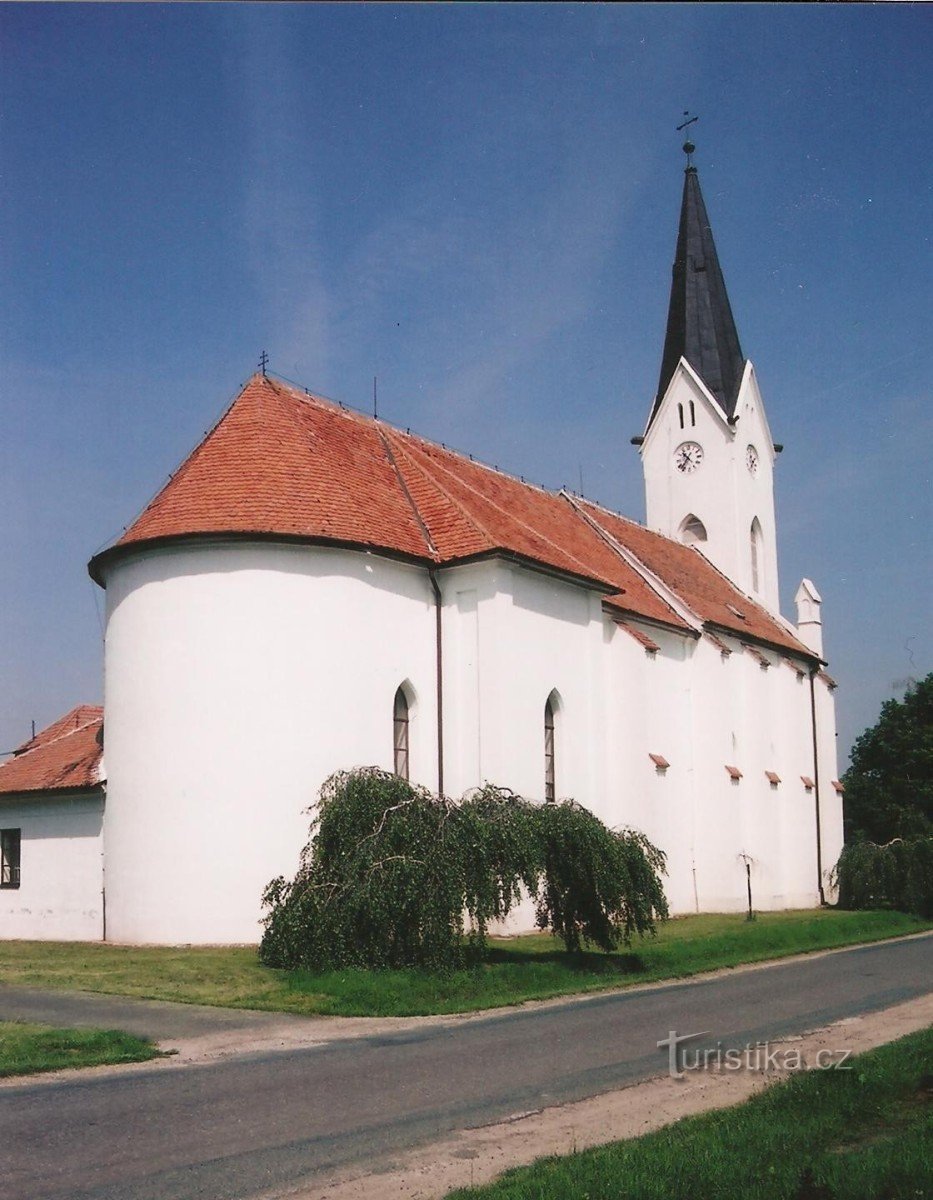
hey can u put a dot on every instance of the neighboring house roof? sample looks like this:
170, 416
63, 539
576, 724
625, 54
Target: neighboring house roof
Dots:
700, 325
285, 464
64, 756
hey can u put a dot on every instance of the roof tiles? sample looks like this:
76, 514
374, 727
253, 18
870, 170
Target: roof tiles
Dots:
67, 754
282, 462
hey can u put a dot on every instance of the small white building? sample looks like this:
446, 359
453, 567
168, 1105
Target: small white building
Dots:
315, 589
51, 832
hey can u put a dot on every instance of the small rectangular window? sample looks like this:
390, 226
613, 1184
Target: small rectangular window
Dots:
9, 857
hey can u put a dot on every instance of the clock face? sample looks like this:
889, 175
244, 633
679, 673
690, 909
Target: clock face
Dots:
751, 459
688, 456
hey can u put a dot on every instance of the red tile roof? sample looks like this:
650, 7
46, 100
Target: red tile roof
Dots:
692, 577
284, 463
66, 754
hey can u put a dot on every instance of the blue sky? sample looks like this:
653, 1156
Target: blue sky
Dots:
478, 204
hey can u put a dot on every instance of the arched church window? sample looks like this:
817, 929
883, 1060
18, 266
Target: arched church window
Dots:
693, 414
401, 728
692, 530
755, 537
550, 789
680, 413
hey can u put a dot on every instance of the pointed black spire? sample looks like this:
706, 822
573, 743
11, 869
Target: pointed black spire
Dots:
700, 326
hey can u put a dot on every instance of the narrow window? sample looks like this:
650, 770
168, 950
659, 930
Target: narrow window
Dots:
693, 414
680, 413
692, 530
9, 857
755, 540
550, 791
400, 738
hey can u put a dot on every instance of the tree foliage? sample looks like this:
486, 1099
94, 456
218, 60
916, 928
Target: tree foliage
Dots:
889, 786
597, 886
393, 875
897, 875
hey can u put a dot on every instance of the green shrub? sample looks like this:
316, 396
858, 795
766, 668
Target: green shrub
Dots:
897, 875
391, 871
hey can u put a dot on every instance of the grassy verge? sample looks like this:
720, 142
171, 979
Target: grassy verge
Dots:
26, 1049
863, 1134
525, 968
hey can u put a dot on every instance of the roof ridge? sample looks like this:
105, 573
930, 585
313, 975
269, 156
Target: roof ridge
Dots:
357, 414
191, 457
585, 571
384, 438
468, 517
32, 745
628, 556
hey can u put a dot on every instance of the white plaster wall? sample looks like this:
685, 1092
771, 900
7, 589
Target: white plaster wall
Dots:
650, 701
61, 868
237, 677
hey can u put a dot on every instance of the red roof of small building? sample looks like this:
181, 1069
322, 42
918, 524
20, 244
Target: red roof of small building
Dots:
284, 463
65, 755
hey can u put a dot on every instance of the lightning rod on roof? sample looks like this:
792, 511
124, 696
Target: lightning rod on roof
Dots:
375, 399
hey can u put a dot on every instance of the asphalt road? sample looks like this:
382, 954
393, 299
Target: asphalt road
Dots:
237, 1128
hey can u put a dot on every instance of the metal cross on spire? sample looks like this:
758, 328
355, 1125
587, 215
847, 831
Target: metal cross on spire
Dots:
688, 146
263, 361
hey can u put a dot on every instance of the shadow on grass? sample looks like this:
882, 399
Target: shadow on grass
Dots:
581, 962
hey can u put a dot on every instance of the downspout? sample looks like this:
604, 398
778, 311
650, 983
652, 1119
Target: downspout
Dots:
439, 659
816, 787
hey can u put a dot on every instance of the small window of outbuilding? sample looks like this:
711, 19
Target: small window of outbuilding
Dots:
9, 857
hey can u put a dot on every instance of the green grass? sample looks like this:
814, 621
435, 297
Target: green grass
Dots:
26, 1049
526, 968
864, 1134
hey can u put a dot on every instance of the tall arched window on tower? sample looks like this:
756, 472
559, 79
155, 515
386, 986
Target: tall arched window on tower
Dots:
401, 727
755, 538
692, 530
550, 787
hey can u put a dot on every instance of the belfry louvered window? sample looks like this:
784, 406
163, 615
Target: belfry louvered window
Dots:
401, 727
550, 791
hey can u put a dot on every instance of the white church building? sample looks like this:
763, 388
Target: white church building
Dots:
314, 589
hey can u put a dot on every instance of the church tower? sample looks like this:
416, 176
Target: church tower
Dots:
707, 451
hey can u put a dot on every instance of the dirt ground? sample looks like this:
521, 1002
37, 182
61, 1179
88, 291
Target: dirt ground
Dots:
478, 1155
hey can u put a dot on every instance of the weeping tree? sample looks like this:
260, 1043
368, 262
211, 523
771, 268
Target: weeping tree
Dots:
898, 875
393, 875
